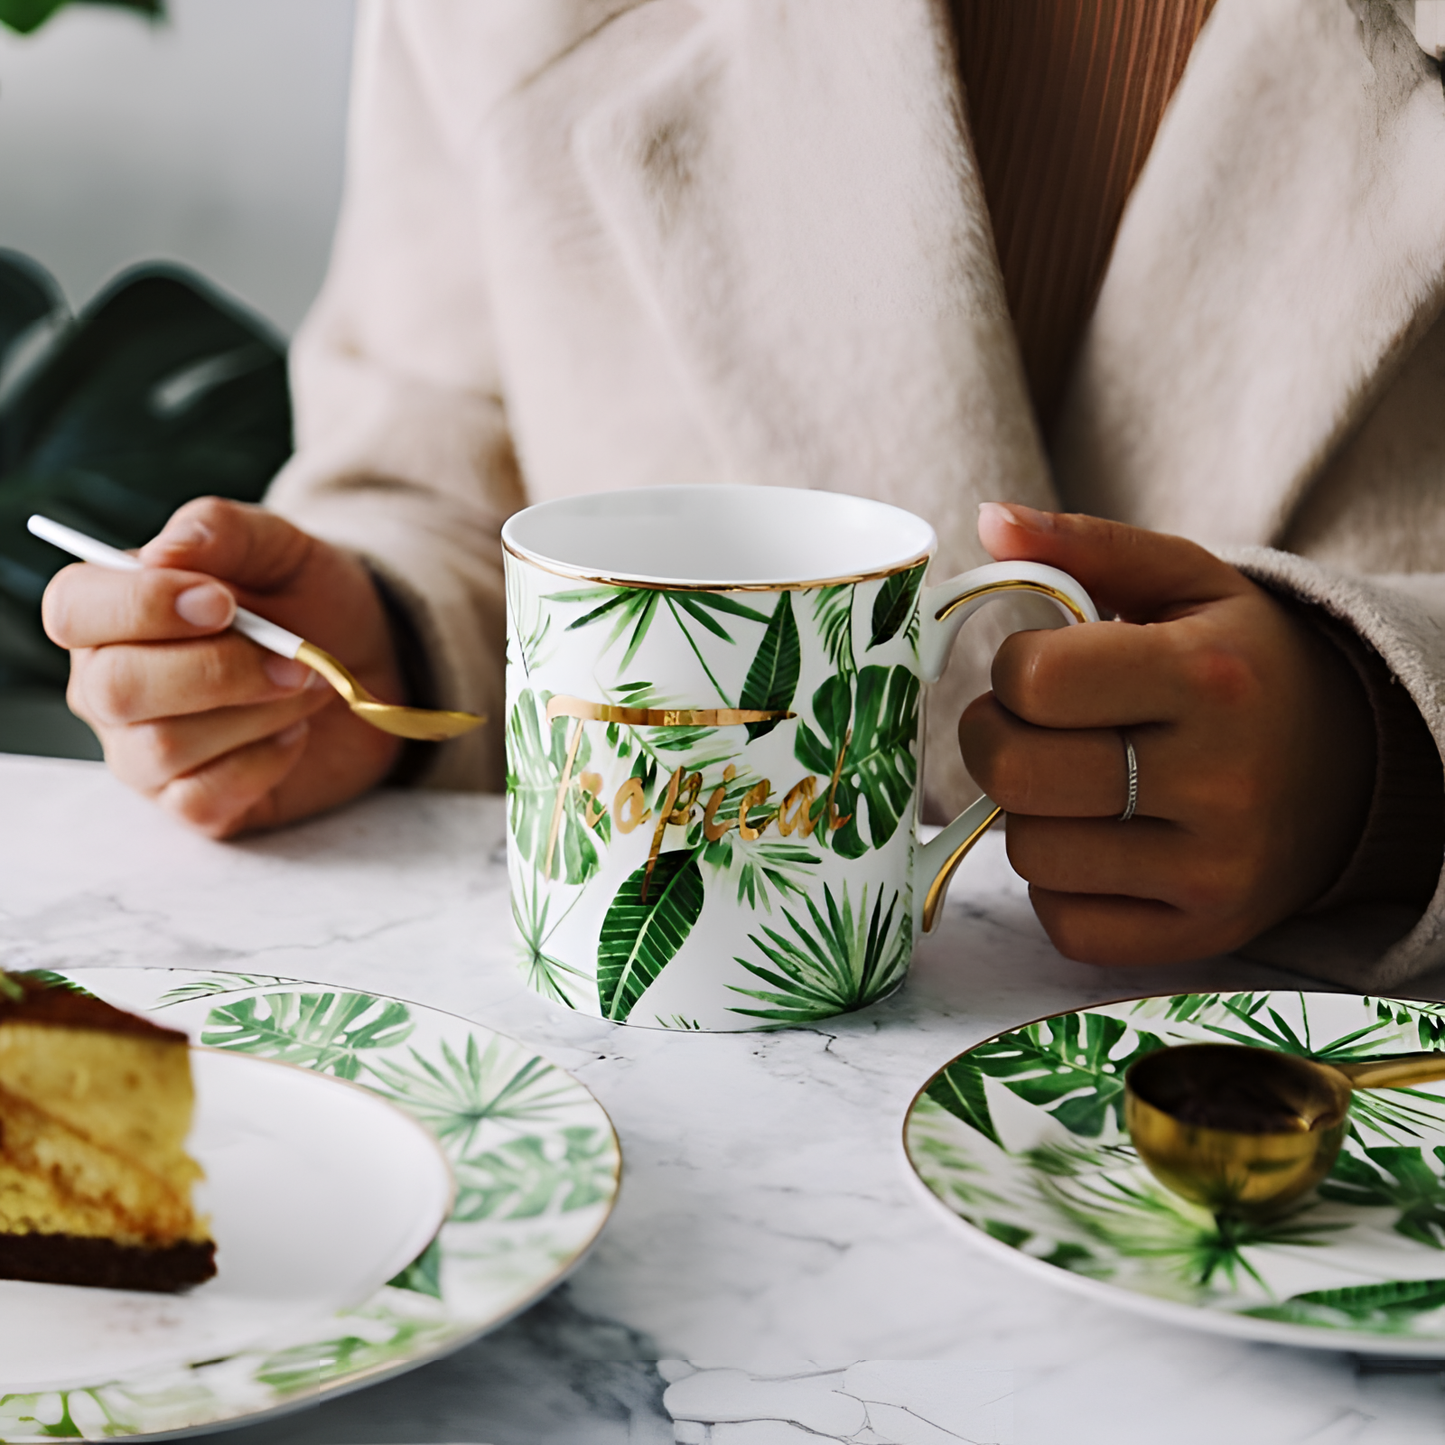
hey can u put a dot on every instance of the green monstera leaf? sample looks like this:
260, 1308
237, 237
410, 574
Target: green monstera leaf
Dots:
773, 677
640, 936
1066, 1065
524, 1178
537, 770
893, 606
329, 1032
868, 734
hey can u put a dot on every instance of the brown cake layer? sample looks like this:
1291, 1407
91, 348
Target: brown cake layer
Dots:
62, 1007
103, 1264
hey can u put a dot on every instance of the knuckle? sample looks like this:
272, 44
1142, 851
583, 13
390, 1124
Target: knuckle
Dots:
112, 690
1028, 680
208, 511
202, 807
164, 748
1219, 675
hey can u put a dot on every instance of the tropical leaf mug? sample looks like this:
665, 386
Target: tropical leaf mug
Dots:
714, 710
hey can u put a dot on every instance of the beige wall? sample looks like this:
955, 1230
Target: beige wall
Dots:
215, 139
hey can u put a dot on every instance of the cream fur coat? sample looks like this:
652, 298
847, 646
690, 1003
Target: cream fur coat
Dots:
591, 244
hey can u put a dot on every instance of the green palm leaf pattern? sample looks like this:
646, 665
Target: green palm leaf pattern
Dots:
523, 1179
839, 964
456, 1096
306, 1367
640, 938
1070, 1066
526, 635
632, 610
546, 973
1142, 1220
1394, 1177
1390, 1307
760, 866
1260, 1024
55, 980
536, 763
328, 1032
895, 604
868, 734
424, 1274
214, 987
833, 617
1428, 1019
773, 677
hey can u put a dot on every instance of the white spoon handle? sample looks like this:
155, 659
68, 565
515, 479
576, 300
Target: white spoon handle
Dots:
268, 634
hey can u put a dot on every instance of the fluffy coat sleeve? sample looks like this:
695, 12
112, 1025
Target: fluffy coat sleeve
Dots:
403, 453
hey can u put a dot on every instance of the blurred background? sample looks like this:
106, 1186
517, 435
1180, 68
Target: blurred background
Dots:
212, 136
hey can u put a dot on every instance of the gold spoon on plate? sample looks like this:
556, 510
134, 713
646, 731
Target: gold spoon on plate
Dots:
1246, 1131
428, 725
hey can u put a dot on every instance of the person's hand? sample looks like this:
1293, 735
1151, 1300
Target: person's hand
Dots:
220, 732
1254, 741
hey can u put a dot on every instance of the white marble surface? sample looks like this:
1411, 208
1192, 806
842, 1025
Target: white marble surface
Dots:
768, 1236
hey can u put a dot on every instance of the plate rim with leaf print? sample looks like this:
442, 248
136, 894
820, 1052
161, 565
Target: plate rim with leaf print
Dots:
1020, 1140
535, 1158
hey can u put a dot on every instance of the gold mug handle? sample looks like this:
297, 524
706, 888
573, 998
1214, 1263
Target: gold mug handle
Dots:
945, 609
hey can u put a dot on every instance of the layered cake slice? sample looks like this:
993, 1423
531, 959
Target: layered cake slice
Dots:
95, 1181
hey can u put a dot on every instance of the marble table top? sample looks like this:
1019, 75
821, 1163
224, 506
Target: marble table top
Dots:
771, 1274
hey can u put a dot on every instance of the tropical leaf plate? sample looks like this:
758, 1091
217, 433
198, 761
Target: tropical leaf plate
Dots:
533, 1157
1022, 1138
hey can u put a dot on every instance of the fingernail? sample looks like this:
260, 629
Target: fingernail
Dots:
1014, 514
294, 733
206, 605
286, 673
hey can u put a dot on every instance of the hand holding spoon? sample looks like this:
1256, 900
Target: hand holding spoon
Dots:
1246, 1131
422, 724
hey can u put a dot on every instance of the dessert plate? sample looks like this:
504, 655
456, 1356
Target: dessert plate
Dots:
386, 1182
1022, 1139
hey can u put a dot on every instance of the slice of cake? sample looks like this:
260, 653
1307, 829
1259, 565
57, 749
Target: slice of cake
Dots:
95, 1181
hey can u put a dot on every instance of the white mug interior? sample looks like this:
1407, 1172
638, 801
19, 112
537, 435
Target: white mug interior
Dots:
719, 536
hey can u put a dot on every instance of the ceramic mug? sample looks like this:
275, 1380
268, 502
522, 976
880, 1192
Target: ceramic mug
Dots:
713, 748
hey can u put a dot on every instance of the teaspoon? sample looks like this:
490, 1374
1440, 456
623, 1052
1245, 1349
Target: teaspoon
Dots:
422, 724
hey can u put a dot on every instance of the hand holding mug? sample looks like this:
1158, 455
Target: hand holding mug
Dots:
1253, 738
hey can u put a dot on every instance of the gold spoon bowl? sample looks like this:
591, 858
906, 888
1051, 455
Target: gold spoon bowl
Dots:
423, 724
1247, 1131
